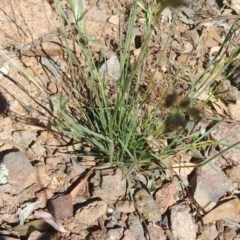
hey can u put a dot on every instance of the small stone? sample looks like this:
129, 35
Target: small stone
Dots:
209, 184
234, 110
61, 206
24, 138
125, 207
128, 235
234, 174
110, 71
182, 224
91, 212
146, 206
114, 19
227, 210
166, 196
135, 227
19, 169
110, 187
227, 134
38, 148
209, 232
156, 232
3, 174
227, 92
114, 234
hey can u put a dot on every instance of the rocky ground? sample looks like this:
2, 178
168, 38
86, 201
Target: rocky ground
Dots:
46, 194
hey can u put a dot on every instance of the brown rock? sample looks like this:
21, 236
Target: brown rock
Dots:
125, 207
234, 174
209, 184
112, 186
228, 134
227, 210
91, 212
166, 196
61, 206
182, 224
19, 170
146, 206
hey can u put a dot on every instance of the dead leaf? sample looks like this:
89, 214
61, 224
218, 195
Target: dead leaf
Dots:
47, 217
219, 107
26, 209
26, 229
228, 210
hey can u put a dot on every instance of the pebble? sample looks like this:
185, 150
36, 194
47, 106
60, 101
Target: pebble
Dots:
234, 174
182, 224
232, 130
166, 196
209, 184
110, 187
19, 169
135, 227
114, 19
24, 138
146, 206
91, 212
228, 210
110, 71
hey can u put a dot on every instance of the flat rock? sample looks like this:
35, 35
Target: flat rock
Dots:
228, 210
156, 232
109, 186
166, 196
209, 232
114, 234
19, 169
146, 206
110, 71
125, 207
91, 212
182, 224
135, 227
228, 134
24, 138
209, 184
233, 173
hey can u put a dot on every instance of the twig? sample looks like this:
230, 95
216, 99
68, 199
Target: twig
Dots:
35, 43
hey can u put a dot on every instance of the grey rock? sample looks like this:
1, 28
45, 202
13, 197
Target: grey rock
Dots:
110, 71
24, 138
19, 169
227, 92
182, 224
135, 227
227, 134
156, 232
209, 232
114, 234
209, 184
38, 148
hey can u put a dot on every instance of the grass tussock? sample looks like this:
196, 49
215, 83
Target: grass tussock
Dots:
116, 120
